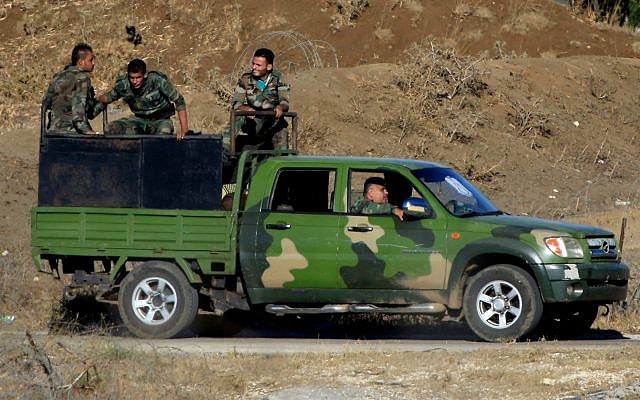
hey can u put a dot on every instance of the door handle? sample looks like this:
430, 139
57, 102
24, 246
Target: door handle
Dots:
279, 227
358, 228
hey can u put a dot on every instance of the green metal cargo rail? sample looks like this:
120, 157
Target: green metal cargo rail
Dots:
183, 236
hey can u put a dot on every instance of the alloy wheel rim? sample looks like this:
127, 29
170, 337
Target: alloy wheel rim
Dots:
154, 301
499, 304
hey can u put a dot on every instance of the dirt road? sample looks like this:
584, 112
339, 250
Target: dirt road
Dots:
595, 341
272, 346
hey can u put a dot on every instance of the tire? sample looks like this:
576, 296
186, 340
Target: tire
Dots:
566, 321
152, 313
502, 303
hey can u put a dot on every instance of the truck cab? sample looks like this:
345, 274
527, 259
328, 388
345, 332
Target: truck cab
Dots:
301, 243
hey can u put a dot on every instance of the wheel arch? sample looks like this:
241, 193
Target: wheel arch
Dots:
119, 270
478, 256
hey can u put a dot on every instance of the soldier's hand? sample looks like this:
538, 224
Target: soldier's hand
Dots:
180, 134
278, 110
399, 213
244, 108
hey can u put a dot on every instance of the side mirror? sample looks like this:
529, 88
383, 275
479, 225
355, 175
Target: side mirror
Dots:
416, 208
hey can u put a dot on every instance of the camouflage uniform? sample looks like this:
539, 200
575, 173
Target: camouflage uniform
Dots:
265, 129
152, 105
364, 206
72, 101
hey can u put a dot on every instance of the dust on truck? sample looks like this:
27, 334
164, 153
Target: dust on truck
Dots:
137, 220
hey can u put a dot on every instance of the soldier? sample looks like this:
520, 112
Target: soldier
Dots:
375, 199
259, 90
70, 96
152, 99
227, 201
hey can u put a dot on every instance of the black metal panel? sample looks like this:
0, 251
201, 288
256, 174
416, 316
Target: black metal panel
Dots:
185, 174
135, 171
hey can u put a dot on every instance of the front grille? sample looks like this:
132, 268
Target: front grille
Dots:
602, 248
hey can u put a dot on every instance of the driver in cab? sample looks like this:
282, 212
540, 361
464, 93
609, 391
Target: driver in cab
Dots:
375, 199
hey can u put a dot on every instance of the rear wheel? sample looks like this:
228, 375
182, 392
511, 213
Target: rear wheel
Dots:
157, 301
502, 303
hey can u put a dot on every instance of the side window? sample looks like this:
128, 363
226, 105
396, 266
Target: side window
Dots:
398, 188
302, 190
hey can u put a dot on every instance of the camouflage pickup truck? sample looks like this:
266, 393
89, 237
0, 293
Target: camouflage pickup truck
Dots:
138, 221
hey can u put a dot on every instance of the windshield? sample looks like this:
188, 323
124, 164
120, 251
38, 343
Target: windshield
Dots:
454, 192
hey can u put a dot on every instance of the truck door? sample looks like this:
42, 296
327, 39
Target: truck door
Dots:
381, 251
296, 235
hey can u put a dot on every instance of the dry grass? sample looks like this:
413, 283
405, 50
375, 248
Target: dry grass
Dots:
624, 317
501, 53
527, 120
346, 12
465, 9
316, 136
414, 6
524, 18
483, 12
22, 293
383, 34
58, 367
433, 74
609, 15
527, 23
439, 93
462, 9
600, 88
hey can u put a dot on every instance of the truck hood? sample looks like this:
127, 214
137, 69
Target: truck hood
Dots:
527, 224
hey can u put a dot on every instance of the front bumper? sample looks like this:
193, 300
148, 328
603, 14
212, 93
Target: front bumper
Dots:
602, 282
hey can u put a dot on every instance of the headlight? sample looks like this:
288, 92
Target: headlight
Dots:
566, 247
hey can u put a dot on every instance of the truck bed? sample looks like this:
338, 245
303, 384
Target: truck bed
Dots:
187, 236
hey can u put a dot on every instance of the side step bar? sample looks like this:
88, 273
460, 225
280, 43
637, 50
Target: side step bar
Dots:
427, 308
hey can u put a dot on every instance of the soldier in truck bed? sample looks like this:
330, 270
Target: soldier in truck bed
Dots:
152, 99
70, 96
263, 89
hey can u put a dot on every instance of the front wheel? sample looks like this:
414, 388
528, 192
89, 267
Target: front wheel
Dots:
157, 301
502, 303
